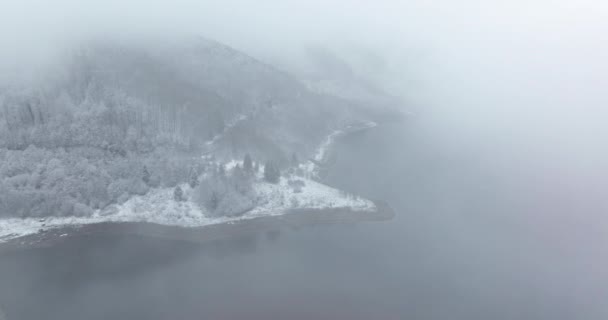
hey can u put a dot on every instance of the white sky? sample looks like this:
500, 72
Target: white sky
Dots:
437, 49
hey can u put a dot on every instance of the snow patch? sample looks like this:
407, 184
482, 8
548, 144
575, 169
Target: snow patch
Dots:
312, 195
159, 207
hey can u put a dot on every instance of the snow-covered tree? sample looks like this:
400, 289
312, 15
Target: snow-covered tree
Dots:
108, 129
228, 195
145, 177
213, 201
271, 172
193, 180
247, 163
296, 185
178, 194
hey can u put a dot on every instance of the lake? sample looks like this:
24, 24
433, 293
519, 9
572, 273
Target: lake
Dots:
485, 229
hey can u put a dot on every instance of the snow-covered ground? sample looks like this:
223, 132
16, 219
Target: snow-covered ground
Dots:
158, 206
276, 198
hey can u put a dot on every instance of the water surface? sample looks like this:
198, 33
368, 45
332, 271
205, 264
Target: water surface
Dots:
484, 230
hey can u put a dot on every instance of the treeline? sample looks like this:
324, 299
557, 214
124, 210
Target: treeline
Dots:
60, 156
122, 121
38, 182
230, 192
108, 120
80, 148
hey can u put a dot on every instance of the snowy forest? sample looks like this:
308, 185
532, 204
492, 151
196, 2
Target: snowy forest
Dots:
114, 120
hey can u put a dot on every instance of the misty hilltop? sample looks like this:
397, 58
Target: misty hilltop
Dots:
183, 93
117, 119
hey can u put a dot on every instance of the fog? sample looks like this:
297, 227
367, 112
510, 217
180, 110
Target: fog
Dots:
506, 144
486, 57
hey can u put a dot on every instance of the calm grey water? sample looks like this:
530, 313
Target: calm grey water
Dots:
482, 232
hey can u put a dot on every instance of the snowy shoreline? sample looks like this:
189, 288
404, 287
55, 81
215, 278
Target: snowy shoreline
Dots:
159, 207
294, 218
312, 166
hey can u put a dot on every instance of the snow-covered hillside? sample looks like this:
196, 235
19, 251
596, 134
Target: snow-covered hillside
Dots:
144, 131
159, 207
120, 118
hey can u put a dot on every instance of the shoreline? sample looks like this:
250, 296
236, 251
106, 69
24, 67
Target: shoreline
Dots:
215, 231
200, 235
317, 162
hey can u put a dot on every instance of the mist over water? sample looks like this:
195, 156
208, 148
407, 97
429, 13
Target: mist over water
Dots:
489, 231
499, 178
475, 237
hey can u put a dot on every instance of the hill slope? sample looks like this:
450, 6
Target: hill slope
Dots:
118, 119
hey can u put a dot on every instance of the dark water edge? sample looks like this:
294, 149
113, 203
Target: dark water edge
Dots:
294, 218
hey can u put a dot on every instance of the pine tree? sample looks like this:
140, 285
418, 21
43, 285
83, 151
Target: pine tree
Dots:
247, 165
193, 180
146, 176
178, 194
214, 200
271, 172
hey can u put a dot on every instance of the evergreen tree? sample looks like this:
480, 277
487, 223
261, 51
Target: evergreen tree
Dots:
241, 180
271, 172
146, 176
193, 179
178, 194
214, 200
247, 165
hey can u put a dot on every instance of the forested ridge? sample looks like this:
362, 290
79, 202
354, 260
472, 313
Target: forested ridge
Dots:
116, 119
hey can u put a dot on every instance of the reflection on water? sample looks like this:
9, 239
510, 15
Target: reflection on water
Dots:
473, 239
